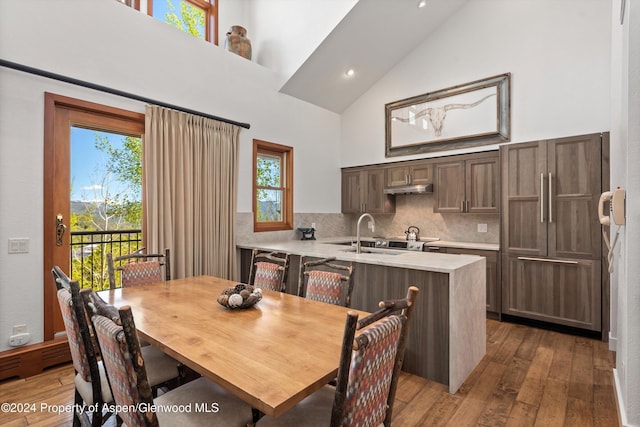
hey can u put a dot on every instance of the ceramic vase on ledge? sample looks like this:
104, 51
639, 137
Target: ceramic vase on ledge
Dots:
237, 42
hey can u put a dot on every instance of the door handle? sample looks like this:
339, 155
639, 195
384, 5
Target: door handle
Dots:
541, 197
555, 261
60, 229
550, 198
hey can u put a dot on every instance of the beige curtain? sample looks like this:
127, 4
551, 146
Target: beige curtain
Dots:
190, 166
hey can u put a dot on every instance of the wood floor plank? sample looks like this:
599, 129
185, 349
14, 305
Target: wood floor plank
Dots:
442, 411
604, 402
563, 357
530, 343
510, 345
581, 378
522, 415
579, 413
533, 385
419, 407
500, 404
553, 405
472, 406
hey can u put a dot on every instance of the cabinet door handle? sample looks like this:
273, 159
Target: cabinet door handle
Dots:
555, 261
462, 206
407, 179
541, 197
466, 205
550, 195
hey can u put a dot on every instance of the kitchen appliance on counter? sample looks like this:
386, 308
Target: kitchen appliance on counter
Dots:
413, 233
307, 233
398, 243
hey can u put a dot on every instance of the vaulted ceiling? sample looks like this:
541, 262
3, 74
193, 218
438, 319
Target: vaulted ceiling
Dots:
371, 39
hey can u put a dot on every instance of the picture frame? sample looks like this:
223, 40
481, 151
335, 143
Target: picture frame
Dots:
467, 115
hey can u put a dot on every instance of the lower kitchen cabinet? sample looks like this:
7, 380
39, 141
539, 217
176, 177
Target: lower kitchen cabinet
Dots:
493, 275
561, 291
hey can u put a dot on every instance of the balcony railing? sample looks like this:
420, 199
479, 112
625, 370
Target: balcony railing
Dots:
89, 254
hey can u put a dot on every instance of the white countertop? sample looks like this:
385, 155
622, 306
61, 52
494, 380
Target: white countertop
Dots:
324, 248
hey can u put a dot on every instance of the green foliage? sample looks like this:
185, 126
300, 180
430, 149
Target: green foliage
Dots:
108, 211
191, 19
268, 181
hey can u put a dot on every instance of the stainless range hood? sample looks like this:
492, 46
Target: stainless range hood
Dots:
410, 189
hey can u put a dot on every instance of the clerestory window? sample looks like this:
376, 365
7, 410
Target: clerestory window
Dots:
196, 17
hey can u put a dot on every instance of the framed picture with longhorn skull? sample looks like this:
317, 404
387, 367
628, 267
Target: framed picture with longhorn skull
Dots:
466, 115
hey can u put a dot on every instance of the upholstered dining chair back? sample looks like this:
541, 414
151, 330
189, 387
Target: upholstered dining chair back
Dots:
91, 384
269, 270
125, 362
368, 374
326, 281
139, 268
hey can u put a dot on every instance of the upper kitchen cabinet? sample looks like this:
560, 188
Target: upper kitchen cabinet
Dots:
410, 173
470, 184
550, 197
363, 191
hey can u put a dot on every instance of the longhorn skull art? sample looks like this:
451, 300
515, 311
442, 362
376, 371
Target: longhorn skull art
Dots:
436, 115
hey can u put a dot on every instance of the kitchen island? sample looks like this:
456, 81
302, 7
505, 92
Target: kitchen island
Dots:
447, 336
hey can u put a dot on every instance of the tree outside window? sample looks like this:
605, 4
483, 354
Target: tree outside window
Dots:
196, 17
272, 186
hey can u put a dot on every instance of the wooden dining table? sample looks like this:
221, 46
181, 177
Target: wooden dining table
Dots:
271, 355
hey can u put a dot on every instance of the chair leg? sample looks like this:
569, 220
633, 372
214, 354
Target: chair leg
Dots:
77, 400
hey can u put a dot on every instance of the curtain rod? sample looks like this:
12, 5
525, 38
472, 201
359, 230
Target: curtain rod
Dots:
47, 74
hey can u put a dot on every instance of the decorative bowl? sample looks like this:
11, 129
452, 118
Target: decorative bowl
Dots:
240, 296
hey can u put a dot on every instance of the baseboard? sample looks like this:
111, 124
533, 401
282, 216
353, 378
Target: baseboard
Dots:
622, 414
33, 359
613, 342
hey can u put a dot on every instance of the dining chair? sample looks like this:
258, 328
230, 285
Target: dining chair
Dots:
163, 371
269, 270
324, 280
91, 383
368, 374
210, 404
139, 268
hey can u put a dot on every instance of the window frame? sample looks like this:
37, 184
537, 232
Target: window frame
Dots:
210, 8
286, 185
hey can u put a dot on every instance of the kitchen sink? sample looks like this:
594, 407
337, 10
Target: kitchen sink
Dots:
370, 251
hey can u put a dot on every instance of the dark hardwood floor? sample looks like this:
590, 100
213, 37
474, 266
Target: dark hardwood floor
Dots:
529, 377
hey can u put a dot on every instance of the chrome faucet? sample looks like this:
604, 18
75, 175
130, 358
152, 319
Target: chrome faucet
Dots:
373, 228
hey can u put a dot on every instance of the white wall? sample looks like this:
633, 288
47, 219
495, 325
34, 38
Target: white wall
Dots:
625, 157
288, 31
104, 42
558, 54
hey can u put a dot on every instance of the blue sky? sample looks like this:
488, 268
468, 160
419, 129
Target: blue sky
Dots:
88, 163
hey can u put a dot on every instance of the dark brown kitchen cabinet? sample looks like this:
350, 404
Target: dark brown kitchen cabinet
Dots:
561, 291
493, 275
550, 195
363, 191
550, 230
468, 185
411, 173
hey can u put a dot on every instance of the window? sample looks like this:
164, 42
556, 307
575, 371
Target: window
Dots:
272, 186
196, 17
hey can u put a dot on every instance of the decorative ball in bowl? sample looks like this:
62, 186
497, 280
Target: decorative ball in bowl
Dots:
240, 296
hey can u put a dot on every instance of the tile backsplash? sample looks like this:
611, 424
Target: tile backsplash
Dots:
411, 209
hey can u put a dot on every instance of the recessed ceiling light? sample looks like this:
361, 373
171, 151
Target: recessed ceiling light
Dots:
349, 72
422, 3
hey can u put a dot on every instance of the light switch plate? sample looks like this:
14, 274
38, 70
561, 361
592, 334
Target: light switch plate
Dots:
19, 245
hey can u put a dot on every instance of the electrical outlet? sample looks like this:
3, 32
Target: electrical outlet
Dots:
18, 340
19, 329
482, 228
313, 225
